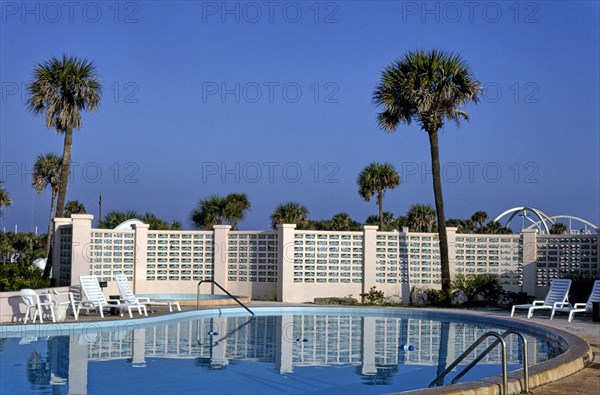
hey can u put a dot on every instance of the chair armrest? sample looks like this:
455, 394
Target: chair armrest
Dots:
561, 304
48, 298
579, 305
538, 303
144, 300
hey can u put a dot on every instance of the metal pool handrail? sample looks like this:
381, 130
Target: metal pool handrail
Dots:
222, 289
499, 340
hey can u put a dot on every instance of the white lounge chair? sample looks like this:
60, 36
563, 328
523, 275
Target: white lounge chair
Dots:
579, 307
95, 299
128, 296
558, 295
33, 302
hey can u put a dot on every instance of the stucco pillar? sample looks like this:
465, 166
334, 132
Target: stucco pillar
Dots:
369, 257
221, 240
285, 262
140, 254
451, 234
60, 224
528, 238
81, 243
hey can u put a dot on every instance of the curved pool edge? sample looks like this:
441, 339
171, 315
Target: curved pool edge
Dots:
578, 355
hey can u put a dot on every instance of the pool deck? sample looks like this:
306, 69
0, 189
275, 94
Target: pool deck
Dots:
583, 382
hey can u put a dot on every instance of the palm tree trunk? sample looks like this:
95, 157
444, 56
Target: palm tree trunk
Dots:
64, 173
49, 236
380, 204
439, 208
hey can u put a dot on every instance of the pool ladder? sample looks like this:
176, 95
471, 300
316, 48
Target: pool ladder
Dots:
499, 340
222, 289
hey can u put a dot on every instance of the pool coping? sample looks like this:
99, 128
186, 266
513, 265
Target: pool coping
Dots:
578, 355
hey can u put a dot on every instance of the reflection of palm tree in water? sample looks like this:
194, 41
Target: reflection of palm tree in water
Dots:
38, 370
443, 349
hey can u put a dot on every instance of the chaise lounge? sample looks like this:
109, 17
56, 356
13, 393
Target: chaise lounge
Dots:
558, 295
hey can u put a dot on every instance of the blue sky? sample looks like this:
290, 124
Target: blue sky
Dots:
275, 101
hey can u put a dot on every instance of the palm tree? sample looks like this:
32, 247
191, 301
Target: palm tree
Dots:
46, 172
479, 217
217, 210
376, 178
343, 222
236, 206
421, 218
389, 221
290, 213
74, 207
5, 200
428, 87
495, 228
61, 89
559, 229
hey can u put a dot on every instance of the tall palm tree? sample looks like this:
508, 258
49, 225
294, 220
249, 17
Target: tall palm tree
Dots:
376, 178
46, 172
479, 217
428, 87
74, 207
290, 213
421, 218
5, 200
61, 89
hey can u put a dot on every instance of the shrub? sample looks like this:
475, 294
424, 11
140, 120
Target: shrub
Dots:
15, 276
373, 297
481, 290
438, 297
581, 286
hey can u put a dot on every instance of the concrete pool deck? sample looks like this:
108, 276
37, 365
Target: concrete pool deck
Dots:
581, 367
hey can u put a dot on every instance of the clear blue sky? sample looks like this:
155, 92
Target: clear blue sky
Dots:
275, 101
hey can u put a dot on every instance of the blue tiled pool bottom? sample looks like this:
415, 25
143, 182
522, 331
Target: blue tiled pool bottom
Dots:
311, 352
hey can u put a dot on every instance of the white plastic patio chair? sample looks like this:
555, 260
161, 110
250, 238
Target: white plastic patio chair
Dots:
580, 307
33, 302
95, 299
71, 301
128, 296
558, 295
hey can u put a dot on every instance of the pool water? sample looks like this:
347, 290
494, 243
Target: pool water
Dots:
314, 351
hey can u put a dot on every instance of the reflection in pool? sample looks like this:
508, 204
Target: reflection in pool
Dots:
288, 354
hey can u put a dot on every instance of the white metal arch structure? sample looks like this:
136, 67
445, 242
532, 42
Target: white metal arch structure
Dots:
570, 218
541, 224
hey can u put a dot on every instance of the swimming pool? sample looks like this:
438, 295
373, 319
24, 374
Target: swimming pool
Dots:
281, 351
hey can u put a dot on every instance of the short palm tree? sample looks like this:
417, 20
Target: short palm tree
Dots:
5, 200
290, 213
376, 178
61, 89
421, 218
343, 222
236, 206
389, 221
479, 217
46, 172
218, 210
428, 87
559, 229
74, 207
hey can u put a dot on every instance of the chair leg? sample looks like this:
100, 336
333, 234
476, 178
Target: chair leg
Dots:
513, 311
101, 312
52, 314
38, 312
529, 312
26, 315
